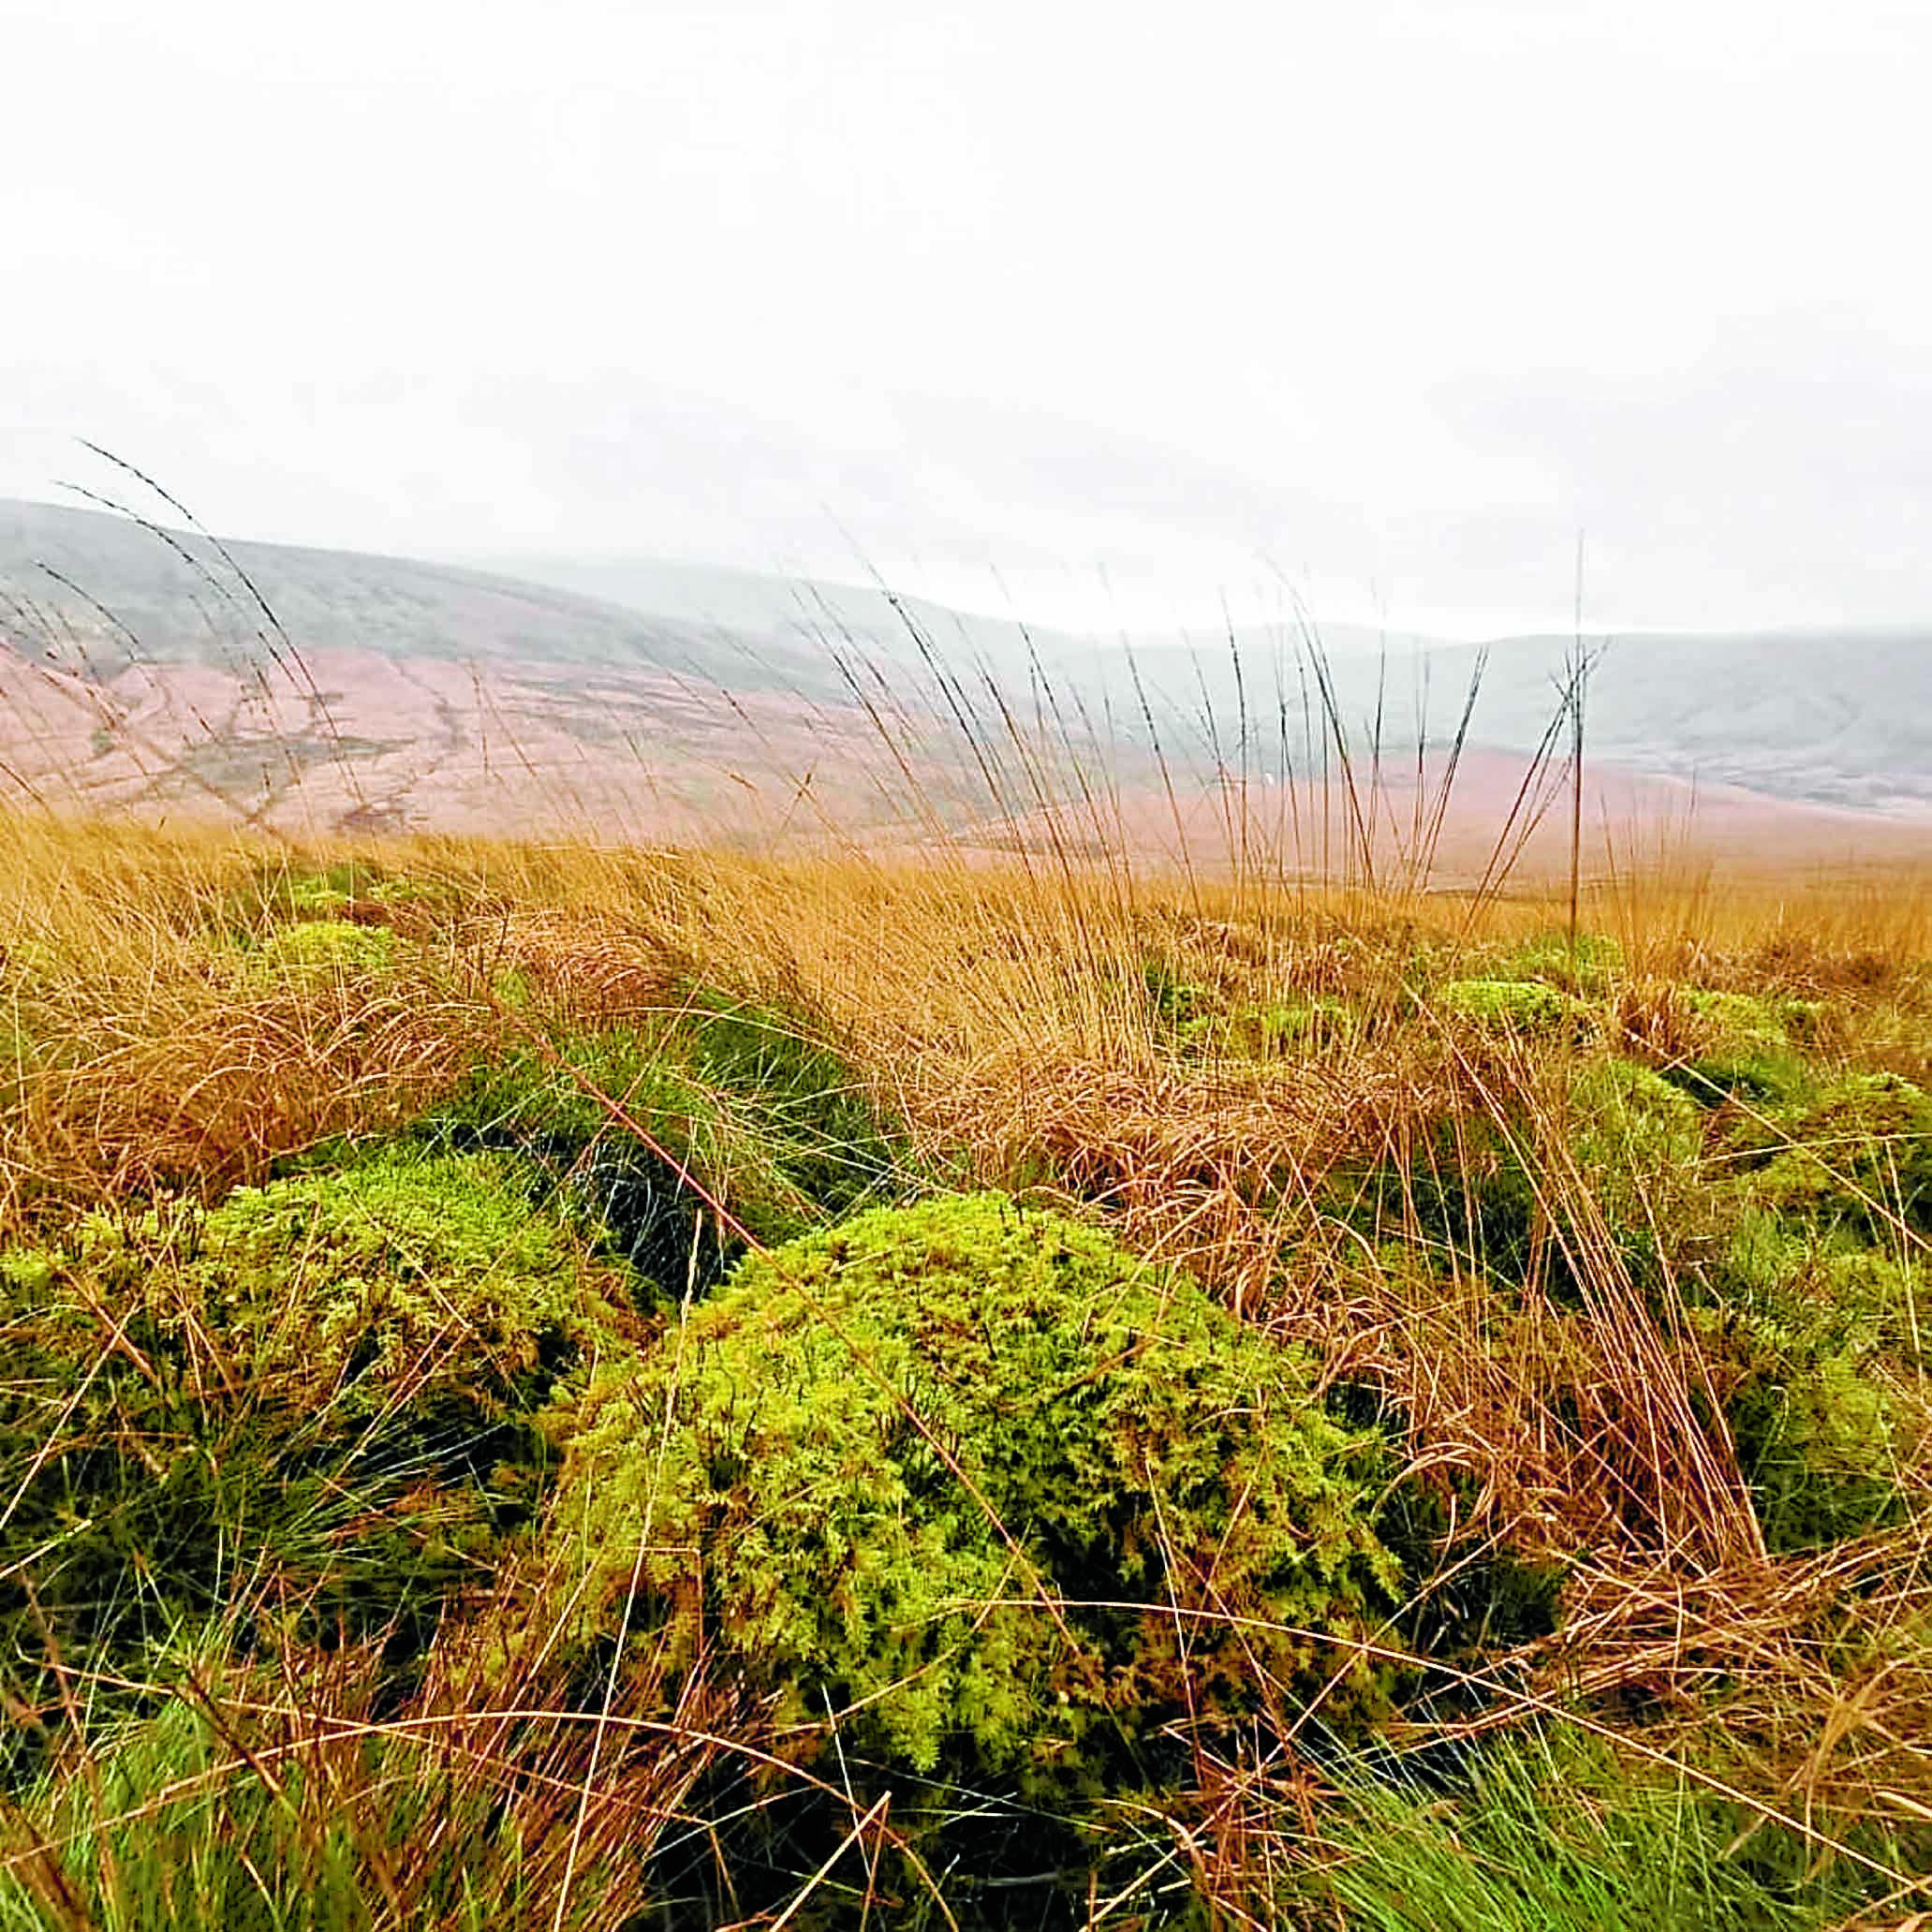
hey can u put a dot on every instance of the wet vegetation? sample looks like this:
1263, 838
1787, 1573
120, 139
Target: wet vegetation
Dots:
549, 1388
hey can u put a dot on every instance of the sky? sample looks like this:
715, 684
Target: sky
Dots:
1104, 312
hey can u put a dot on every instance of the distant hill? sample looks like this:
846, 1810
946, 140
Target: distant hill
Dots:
137, 669
127, 594
816, 613
140, 669
1839, 718
1831, 718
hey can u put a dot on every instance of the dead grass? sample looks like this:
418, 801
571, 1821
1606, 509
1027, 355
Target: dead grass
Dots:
1005, 1016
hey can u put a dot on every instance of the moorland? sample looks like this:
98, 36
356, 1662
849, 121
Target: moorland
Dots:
1120, 1338
549, 1386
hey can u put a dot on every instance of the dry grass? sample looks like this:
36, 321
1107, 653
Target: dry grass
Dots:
1004, 1016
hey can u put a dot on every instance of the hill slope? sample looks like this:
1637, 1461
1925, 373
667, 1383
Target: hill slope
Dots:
159, 671
140, 668
136, 594
1837, 718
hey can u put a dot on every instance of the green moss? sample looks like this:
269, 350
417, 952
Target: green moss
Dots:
1182, 1009
1275, 1028
318, 1396
1761, 1265
29, 966
1771, 1079
1588, 967
1462, 1188
350, 1278
1136, 1445
1882, 1296
312, 896
1482, 1596
274, 893
631, 1199
1637, 1142
1861, 1156
1818, 1441
356, 890
1495, 1192
309, 948
1631, 1116
1510, 1005
1746, 1046
1743, 1022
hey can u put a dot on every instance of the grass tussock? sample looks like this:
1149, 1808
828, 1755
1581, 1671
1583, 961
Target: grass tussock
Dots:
559, 1387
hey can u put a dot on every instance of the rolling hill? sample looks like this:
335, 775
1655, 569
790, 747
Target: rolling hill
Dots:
159, 671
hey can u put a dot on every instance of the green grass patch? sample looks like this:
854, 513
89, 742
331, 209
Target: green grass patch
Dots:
647, 1130
1554, 1834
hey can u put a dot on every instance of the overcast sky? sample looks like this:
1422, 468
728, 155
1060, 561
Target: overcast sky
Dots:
1133, 303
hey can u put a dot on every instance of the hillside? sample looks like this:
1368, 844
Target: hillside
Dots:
134, 594
1832, 718
1837, 719
157, 671
141, 672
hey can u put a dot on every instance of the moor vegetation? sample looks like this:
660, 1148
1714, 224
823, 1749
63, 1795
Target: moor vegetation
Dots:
546, 1387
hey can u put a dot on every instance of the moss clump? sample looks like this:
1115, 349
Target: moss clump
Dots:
312, 947
1499, 1194
356, 1280
1818, 1441
314, 1402
1511, 1006
29, 966
1589, 966
1638, 1145
1138, 1447
1771, 1078
1631, 1118
1265, 1030
1743, 1022
1739, 1045
274, 893
1279, 1027
1183, 1015
1861, 1158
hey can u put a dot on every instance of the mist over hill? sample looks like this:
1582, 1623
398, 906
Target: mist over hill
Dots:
1832, 717
1840, 717
126, 593
1837, 719
140, 660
